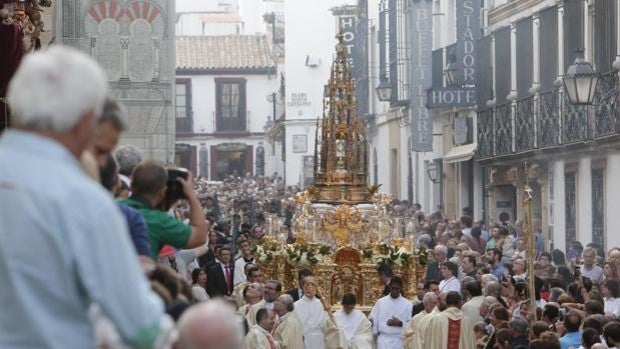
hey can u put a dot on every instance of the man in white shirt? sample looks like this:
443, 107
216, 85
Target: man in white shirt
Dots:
449, 271
589, 269
354, 324
240, 263
390, 315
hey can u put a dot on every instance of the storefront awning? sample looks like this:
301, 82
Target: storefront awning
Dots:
460, 153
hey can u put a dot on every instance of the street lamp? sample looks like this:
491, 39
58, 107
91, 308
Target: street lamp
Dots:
580, 81
432, 171
384, 91
450, 71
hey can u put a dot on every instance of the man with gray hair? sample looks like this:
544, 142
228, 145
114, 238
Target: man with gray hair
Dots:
440, 253
210, 325
430, 301
128, 157
589, 269
49, 207
288, 331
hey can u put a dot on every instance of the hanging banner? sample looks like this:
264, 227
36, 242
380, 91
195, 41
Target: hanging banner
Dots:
468, 33
353, 22
421, 74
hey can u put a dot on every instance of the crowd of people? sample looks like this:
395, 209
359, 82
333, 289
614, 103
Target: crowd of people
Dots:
100, 247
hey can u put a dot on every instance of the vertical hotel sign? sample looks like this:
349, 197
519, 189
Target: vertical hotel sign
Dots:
421, 15
352, 22
468, 29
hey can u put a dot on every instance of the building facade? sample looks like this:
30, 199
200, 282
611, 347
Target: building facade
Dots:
134, 43
222, 107
525, 116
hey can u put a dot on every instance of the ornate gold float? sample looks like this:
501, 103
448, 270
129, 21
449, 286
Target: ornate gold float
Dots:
341, 226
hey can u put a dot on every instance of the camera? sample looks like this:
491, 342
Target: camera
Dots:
174, 188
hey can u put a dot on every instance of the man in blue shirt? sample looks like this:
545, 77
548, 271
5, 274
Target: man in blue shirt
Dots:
58, 228
572, 337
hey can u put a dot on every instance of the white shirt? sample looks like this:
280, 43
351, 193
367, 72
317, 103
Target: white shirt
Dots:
452, 284
612, 306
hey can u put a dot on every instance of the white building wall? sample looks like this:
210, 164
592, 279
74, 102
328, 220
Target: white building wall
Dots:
612, 197
559, 213
310, 32
257, 89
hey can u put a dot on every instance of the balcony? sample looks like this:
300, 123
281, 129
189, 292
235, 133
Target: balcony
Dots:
548, 121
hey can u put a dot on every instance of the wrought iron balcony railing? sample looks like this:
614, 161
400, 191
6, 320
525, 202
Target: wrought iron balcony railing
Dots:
549, 120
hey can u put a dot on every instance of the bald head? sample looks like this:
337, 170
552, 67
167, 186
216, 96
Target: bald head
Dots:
430, 301
210, 325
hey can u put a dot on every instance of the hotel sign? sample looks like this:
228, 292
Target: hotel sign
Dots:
421, 75
451, 97
468, 29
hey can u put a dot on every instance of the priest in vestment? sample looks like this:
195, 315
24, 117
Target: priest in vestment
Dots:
259, 336
287, 331
355, 326
390, 316
450, 329
252, 293
429, 301
272, 288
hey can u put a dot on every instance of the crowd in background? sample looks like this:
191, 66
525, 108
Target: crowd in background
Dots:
101, 247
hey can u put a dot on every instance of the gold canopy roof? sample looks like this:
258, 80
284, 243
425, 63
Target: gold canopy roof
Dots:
341, 149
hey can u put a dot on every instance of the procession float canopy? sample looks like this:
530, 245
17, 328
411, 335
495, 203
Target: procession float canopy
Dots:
341, 226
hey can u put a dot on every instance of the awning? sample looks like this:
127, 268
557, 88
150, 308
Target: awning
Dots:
460, 153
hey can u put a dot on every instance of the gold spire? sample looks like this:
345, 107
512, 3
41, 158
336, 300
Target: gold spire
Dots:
340, 172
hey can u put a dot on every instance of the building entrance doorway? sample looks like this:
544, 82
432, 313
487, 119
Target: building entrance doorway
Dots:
231, 159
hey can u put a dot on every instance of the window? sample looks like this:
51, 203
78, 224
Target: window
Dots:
183, 105
230, 104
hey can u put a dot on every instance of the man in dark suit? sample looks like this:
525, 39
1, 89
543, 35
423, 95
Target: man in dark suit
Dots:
298, 292
220, 277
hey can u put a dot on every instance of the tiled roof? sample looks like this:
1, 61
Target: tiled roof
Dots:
201, 53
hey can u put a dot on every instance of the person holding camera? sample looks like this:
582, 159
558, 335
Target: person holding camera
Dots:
150, 195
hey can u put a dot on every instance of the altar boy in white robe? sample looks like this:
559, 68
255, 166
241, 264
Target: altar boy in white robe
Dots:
355, 326
390, 316
312, 316
319, 327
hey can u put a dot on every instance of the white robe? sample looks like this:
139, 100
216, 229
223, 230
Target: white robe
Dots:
251, 315
288, 333
471, 309
418, 341
258, 338
438, 334
412, 330
356, 329
312, 317
385, 308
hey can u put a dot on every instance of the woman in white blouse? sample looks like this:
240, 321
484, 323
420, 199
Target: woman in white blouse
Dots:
449, 270
199, 280
611, 296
